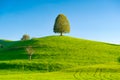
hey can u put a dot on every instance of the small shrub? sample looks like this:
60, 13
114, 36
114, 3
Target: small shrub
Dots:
118, 59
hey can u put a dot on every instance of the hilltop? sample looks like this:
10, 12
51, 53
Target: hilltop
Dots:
57, 53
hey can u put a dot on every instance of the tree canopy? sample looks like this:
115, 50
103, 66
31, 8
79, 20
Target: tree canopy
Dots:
61, 24
25, 37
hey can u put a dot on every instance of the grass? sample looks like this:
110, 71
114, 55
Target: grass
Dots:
38, 76
59, 75
60, 57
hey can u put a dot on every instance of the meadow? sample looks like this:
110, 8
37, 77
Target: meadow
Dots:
59, 57
35, 75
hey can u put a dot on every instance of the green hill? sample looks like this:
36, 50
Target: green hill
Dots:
54, 53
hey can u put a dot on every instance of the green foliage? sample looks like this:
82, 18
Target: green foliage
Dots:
61, 24
33, 66
1, 46
118, 59
25, 37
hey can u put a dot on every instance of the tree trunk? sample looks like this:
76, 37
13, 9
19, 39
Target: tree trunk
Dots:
30, 57
61, 34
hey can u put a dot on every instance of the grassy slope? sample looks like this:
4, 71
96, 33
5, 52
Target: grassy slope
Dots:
58, 53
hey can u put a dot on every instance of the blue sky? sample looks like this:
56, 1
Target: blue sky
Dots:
89, 19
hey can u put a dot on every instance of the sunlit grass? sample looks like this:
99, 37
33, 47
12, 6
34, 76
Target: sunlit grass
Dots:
59, 57
59, 75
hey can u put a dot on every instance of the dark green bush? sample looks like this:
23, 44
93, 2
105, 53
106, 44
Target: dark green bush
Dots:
46, 67
118, 59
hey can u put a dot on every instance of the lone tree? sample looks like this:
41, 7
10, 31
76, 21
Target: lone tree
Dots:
25, 37
29, 51
61, 25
